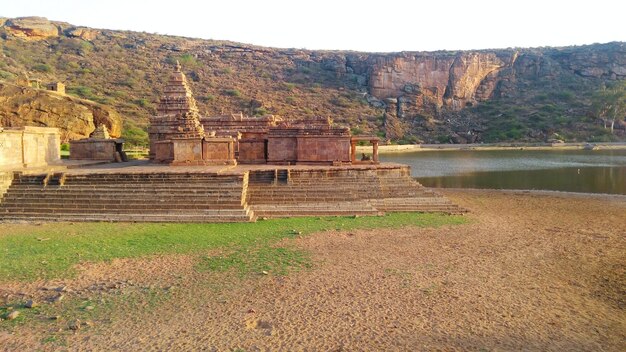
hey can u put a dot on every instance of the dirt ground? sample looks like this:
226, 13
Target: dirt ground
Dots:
529, 272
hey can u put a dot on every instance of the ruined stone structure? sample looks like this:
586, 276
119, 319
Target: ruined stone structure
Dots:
99, 146
176, 135
27, 147
56, 87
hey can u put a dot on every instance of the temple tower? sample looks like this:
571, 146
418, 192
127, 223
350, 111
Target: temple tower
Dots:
177, 113
176, 134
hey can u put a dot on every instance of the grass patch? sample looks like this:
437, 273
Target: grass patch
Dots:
262, 259
51, 250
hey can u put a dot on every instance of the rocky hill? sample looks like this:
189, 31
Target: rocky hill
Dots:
461, 96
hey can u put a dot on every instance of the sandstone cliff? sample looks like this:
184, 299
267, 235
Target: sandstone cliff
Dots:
465, 96
76, 118
31, 28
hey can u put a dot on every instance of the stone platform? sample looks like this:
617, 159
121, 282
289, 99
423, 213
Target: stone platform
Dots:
142, 191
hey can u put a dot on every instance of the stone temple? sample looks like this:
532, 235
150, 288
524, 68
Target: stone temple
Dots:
215, 169
180, 136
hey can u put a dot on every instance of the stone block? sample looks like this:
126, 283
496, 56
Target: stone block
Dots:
29, 147
95, 149
218, 150
323, 149
252, 151
282, 149
187, 150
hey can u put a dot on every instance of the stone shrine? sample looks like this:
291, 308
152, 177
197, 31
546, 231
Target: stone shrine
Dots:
99, 146
176, 135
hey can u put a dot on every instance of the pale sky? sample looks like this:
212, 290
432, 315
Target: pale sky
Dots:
383, 25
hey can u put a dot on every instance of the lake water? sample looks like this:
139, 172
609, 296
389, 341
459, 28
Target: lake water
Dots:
591, 171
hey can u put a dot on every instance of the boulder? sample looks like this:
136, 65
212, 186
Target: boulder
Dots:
31, 28
76, 118
82, 33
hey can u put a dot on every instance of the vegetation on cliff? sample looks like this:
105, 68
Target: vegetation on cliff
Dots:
491, 95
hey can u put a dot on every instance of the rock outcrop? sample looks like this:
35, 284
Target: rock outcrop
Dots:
31, 28
82, 33
450, 80
76, 118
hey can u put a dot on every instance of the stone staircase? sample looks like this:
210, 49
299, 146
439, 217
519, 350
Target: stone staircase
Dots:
341, 192
151, 197
215, 197
6, 178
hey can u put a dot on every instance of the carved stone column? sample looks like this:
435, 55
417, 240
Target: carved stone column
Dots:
375, 150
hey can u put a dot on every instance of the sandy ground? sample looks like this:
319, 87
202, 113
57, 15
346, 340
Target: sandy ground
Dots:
530, 272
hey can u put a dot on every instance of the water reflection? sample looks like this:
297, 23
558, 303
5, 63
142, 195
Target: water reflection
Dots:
602, 171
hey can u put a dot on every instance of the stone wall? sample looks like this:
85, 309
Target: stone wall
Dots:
218, 150
93, 149
252, 149
308, 145
323, 149
22, 147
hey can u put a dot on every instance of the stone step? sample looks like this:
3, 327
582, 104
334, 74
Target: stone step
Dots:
148, 184
145, 204
71, 190
79, 217
336, 188
412, 200
305, 213
86, 210
121, 195
303, 197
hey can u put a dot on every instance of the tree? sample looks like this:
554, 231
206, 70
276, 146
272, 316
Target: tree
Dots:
609, 104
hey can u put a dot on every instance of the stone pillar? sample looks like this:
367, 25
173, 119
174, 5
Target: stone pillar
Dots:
375, 150
352, 151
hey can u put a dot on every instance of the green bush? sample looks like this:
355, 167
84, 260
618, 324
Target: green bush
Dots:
261, 111
341, 102
5, 74
443, 138
144, 103
134, 135
42, 68
81, 91
233, 92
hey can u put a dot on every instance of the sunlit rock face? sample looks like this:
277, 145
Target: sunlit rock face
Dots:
450, 80
76, 118
31, 28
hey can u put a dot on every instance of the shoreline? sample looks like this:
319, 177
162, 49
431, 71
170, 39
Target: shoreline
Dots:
539, 192
409, 148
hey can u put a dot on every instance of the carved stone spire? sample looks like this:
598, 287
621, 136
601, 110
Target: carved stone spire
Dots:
101, 132
177, 112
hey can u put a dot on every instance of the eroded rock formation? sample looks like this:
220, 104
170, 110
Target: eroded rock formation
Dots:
76, 118
437, 80
82, 33
31, 28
